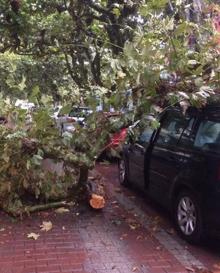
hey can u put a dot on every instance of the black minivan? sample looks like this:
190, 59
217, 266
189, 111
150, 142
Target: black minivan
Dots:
179, 166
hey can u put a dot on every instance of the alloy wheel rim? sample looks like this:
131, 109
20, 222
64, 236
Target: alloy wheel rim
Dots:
186, 215
122, 171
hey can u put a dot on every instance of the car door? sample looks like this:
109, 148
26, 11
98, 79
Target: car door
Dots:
166, 158
137, 152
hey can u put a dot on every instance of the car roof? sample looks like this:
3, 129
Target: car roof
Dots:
211, 109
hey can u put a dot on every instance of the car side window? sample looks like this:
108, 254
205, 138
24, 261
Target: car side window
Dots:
208, 136
172, 128
145, 136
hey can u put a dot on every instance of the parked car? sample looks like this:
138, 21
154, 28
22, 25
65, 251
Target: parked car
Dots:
77, 115
116, 140
178, 165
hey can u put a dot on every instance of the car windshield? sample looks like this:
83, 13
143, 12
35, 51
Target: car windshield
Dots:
208, 136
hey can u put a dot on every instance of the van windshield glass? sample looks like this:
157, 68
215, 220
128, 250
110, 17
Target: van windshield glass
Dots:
208, 136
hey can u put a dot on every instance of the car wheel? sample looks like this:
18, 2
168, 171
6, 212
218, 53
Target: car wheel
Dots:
188, 217
122, 172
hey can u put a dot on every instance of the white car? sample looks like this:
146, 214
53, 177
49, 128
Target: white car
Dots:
66, 123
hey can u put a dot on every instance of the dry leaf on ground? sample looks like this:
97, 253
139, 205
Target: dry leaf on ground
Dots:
33, 236
46, 226
123, 236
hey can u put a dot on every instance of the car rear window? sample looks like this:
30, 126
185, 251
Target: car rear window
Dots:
208, 136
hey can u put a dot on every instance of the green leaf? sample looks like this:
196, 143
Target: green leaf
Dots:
34, 94
66, 109
22, 84
116, 11
182, 28
36, 160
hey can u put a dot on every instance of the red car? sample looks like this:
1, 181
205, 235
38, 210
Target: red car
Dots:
117, 139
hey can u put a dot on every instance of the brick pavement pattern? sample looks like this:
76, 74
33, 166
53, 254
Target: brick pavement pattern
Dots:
84, 241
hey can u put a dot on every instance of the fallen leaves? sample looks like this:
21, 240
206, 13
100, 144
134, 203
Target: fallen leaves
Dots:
155, 225
135, 269
2, 229
139, 237
46, 226
133, 224
33, 236
125, 235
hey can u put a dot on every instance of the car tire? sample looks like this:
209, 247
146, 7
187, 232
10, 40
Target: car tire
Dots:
122, 171
188, 217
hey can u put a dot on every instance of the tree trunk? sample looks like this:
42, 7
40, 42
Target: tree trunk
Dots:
83, 177
96, 192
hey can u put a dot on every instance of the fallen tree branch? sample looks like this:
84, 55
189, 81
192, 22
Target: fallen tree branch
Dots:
41, 207
47, 206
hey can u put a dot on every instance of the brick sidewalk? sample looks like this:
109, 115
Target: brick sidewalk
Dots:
84, 241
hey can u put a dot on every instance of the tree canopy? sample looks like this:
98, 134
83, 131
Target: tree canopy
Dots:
114, 45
